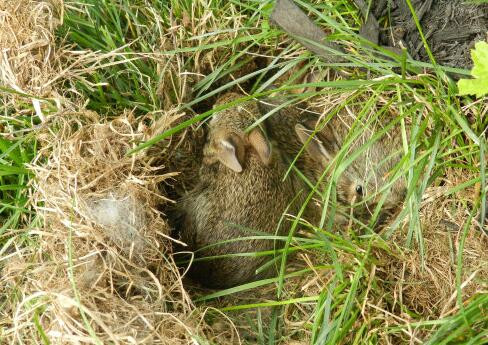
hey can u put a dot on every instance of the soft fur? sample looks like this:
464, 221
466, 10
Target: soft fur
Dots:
228, 201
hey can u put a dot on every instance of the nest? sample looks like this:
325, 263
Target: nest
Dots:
103, 265
97, 267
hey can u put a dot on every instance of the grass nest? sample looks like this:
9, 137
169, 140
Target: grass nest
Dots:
95, 265
102, 265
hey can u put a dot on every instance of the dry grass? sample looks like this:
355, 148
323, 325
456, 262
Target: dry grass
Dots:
413, 286
28, 56
427, 286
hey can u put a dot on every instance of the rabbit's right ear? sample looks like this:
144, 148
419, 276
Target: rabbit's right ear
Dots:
259, 142
315, 146
229, 151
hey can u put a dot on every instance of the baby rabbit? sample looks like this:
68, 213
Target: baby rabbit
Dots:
358, 186
240, 191
362, 183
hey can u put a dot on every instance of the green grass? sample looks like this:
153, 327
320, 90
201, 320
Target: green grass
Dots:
133, 34
14, 175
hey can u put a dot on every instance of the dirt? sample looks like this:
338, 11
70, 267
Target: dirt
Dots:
451, 27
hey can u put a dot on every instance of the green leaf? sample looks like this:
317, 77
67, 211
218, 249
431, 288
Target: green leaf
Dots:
479, 85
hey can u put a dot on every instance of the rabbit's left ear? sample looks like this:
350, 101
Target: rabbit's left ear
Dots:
315, 147
229, 151
261, 145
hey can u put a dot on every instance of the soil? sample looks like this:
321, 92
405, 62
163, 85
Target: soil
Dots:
451, 28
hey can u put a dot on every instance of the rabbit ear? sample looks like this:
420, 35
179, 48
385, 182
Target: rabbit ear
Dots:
315, 146
227, 153
261, 145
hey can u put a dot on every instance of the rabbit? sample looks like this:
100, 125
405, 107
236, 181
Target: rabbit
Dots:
240, 187
358, 185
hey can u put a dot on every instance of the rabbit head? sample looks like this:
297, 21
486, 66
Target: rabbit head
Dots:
362, 183
227, 142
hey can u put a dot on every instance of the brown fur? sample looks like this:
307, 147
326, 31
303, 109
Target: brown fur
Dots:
254, 198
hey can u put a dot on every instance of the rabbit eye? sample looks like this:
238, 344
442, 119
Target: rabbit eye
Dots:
359, 190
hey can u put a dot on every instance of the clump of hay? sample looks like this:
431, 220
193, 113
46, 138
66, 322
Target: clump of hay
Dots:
102, 267
98, 267
182, 152
27, 44
427, 286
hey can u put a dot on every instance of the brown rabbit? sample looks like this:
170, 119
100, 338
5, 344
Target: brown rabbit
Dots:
240, 192
363, 182
359, 188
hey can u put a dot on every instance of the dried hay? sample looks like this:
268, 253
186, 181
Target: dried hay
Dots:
427, 286
28, 53
102, 267
430, 289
